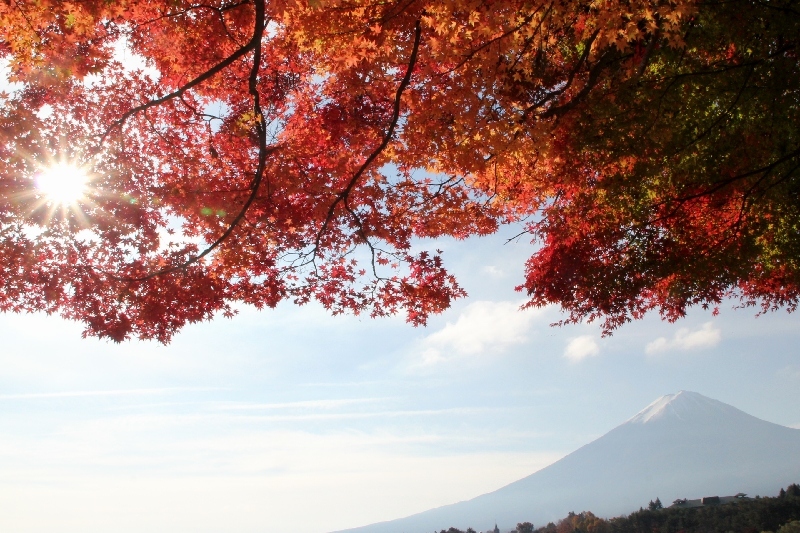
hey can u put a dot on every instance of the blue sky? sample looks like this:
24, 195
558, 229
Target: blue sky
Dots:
292, 420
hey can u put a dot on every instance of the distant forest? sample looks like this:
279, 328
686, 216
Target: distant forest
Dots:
758, 515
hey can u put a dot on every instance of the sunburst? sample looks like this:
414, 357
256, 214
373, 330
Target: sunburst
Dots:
63, 184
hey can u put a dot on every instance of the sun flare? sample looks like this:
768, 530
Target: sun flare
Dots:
62, 183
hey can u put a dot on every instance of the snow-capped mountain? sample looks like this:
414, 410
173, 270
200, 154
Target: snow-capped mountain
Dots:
681, 445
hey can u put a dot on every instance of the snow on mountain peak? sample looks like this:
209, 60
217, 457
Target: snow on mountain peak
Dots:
679, 445
683, 404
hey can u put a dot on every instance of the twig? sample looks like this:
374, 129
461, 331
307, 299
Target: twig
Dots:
342, 196
263, 152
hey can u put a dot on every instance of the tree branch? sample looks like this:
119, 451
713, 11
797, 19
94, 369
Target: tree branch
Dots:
253, 44
342, 196
263, 152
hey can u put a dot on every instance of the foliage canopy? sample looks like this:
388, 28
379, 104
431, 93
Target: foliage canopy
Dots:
298, 149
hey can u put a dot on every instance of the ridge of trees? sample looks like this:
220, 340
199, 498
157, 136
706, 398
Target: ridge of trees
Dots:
779, 514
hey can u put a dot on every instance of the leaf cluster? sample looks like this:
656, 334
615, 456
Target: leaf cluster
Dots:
290, 150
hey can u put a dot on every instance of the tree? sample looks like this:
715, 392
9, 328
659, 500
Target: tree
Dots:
584, 522
524, 527
680, 186
790, 527
655, 505
299, 149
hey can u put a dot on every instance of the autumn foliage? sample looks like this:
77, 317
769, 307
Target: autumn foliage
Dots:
249, 151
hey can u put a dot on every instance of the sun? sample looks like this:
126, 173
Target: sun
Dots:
62, 183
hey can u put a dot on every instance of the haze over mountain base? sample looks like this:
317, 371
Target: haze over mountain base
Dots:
682, 445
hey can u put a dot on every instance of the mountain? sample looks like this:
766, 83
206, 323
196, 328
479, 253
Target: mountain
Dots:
681, 445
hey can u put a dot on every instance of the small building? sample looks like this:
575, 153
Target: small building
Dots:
709, 500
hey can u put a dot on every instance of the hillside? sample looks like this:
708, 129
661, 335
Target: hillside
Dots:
682, 444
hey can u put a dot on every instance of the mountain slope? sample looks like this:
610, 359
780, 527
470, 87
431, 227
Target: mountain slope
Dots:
681, 445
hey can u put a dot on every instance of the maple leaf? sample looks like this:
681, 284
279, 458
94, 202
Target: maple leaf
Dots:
654, 145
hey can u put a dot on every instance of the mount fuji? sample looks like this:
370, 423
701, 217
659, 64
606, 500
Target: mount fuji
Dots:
681, 445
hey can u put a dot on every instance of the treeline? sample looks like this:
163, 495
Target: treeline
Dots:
780, 514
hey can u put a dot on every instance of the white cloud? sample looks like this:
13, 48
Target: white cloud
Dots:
115, 392
791, 372
305, 404
684, 339
483, 327
580, 348
493, 271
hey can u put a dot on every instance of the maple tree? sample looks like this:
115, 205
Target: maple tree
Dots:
298, 149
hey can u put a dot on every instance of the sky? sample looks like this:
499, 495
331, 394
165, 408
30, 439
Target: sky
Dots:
293, 420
